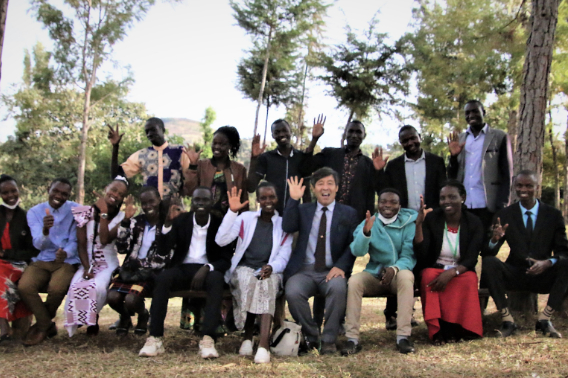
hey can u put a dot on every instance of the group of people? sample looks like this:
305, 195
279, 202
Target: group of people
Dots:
425, 237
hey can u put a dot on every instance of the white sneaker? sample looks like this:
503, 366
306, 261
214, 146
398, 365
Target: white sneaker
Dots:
246, 348
152, 348
207, 348
262, 356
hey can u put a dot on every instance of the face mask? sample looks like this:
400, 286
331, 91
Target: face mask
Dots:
387, 220
13, 206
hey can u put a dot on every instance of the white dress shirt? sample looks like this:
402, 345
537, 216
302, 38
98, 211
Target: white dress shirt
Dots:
415, 180
473, 174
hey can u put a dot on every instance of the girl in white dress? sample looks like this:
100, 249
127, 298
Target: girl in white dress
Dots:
97, 227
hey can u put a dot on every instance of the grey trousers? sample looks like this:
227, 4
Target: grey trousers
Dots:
304, 285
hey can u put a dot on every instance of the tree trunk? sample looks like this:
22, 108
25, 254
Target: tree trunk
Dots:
266, 121
532, 109
83, 147
566, 175
512, 129
3, 15
345, 130
263, 82
536, 72
555, 169
301, 115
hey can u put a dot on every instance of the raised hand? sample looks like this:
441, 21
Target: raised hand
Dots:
317, 129
423, 211
48, 221
101, 203
296, 188
454, 144
114, 135
378, 161
369, 221
176, 207
192, 153
129, 207
498, 231
256, 151
235, 200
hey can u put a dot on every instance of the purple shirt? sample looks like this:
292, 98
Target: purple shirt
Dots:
473, 174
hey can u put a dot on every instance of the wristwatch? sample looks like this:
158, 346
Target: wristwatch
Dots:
104, 215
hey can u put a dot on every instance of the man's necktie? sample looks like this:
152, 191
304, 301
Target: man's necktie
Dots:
320, 264
529, 224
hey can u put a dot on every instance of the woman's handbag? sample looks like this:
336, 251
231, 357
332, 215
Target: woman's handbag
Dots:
286, 340
132, 272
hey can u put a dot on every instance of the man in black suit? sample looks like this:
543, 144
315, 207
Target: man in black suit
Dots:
415, 173
198, 263
322, 260
533, 231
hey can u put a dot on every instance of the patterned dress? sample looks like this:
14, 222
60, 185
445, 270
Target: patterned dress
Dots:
86, 298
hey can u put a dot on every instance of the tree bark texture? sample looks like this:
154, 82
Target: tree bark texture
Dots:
555, 170
534, 90
263, 82
3, 15
512, 129
344, 135
565, 207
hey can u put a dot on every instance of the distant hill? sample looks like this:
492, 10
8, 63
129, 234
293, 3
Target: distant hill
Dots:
186, 128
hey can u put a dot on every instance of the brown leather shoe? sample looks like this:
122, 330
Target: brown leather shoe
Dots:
34, 337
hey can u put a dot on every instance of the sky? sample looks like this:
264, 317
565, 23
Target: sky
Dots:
184, 56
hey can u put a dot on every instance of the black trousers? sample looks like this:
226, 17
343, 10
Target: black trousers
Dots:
179, 278
501, 277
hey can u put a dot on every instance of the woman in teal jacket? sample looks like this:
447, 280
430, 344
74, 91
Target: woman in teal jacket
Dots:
387, 237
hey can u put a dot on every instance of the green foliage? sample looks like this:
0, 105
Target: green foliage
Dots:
462, 50
366, 74
48, 118
207, 132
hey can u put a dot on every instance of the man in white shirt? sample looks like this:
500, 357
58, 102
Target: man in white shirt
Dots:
198, 263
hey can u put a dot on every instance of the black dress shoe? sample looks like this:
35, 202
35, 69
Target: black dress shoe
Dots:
350, 348
390, 323
328, 348
546, 327
405, 346
507, 329
52, 331
308, 346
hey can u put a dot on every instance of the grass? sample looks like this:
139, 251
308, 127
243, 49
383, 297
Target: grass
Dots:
524, 355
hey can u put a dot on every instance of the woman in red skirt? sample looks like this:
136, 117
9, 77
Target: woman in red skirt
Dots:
16, 250
447, 243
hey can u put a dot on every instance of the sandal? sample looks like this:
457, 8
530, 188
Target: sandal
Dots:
142, 325
123, 326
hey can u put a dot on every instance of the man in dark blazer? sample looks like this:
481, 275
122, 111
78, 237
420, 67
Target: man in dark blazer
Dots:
415, 173
322, 260
356, 188
198, 263
481, 158
533, 230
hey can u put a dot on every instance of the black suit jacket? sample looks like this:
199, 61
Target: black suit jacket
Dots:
300, 218
362, 190
471, 239
549, 235
20, 236
394, 176
179, 239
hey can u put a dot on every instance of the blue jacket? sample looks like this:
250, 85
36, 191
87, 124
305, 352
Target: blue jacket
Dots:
389, 244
